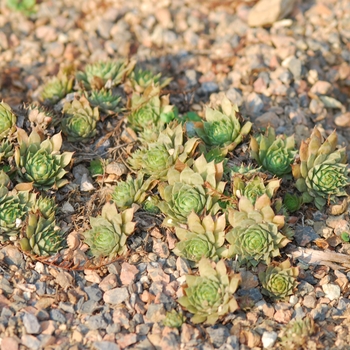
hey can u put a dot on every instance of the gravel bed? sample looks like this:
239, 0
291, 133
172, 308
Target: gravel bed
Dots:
292, 74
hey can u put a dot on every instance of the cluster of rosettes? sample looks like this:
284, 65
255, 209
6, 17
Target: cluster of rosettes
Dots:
218, 211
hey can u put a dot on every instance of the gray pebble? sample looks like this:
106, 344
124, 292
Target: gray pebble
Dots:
31, 342
268, 339
305, 288
235, 96
96, 322
116, 295
319, 313
31, 324
304, 235
253, 103
105, 345
218, 335
209, 87
57, 316
332, 291
94, 292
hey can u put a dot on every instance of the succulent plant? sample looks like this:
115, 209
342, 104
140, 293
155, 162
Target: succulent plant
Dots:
155, 159
279, 281
201, 238
79, 123
27, 7
57, 88
7, 120
105, 100
41, 162
150, 205
6, 150
274, 154
254, 188
210, 295
149, 110
40, 118
174, 319
131, 191
246, 170
292, 202
141, 79
195, 189
255, 235
104, 74
96, 167
222, 127
42, 236
110, 231
46, 205
321, 175
297, 333
13, 210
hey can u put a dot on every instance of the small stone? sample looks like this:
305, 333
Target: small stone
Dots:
209, 87
128, 273
283, 316
332, 291
254, 103
48, 327
55, 49
343, 120
116, 296
67, 208
161, 249
155, 313
116, 168
268, 339
218, 335
309, 301
266, 12
268, 118
96, 322
109, 282
305, 288
158, 275
330, 102
235, 96
30, 342
46, 33
57, 316
304, 235
93, 292
127, 340
321, 88
104, 28
294, 65
105, 345
182, 266
319, 313
9, 343
31, 324
86, 184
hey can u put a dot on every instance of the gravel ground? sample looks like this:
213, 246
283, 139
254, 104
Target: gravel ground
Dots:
293, 74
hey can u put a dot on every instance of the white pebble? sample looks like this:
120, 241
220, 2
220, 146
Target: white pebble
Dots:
268, 339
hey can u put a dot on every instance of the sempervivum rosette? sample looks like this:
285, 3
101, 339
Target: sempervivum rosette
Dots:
274, 154
110, 231
79, 122
321, 175
203, 237
278, 282
210, 295
222, 127
194, 189
41, 162
255, 235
